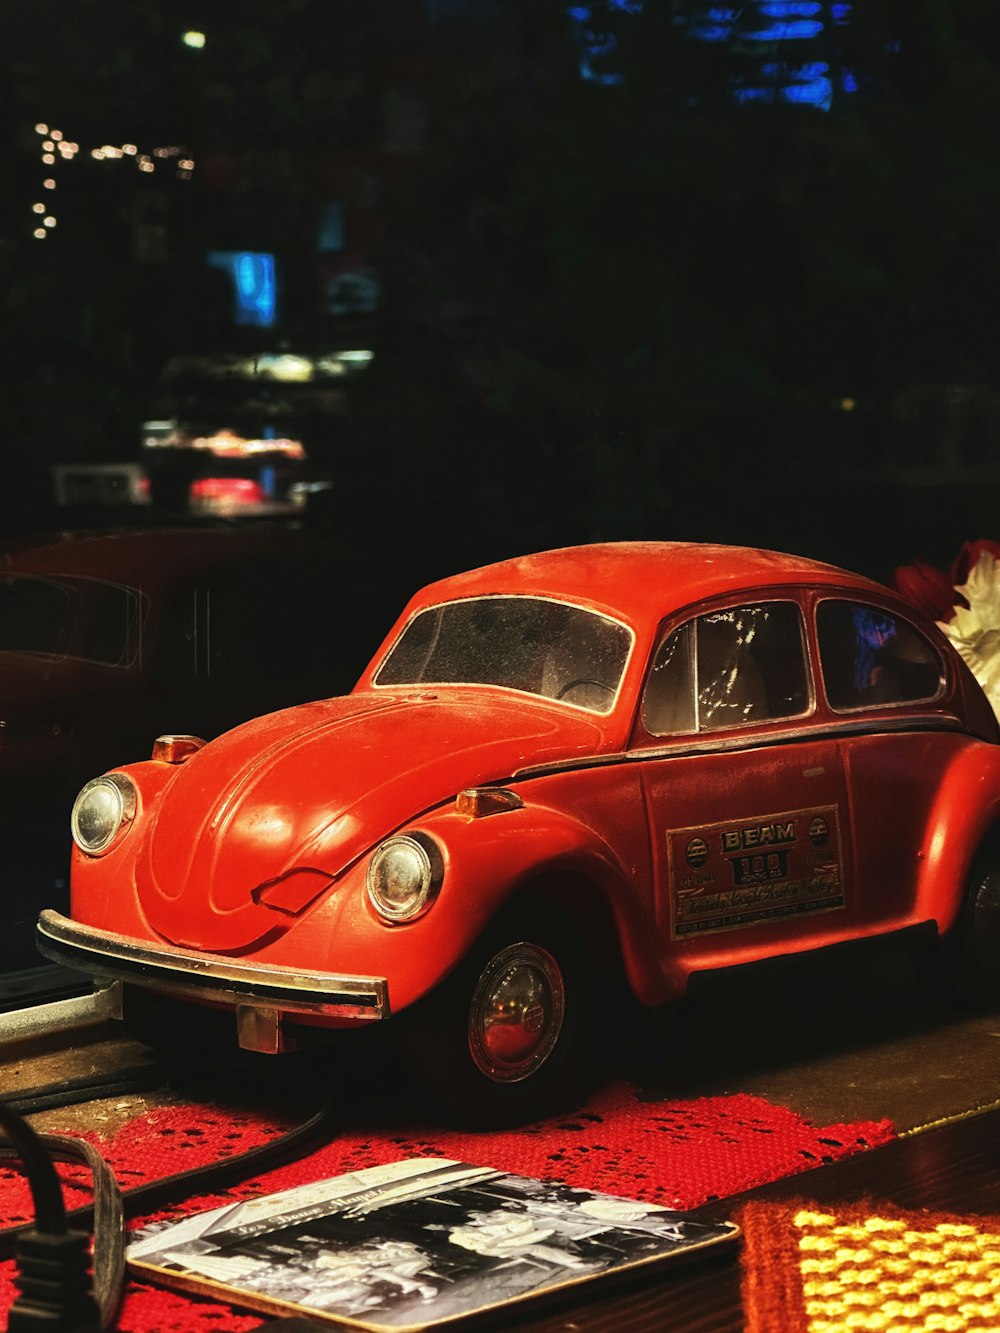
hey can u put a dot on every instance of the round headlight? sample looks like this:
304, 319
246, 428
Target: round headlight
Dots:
102, 813
404, 876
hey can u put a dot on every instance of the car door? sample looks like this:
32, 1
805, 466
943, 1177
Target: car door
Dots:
745, 796
883, 681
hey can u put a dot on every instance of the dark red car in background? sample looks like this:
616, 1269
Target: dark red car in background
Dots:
109, 639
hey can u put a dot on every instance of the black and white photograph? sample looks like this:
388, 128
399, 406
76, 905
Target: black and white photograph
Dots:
414, 1243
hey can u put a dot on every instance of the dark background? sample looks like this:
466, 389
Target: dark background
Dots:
627, 268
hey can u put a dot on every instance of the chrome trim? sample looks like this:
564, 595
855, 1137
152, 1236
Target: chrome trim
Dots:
125, 787
61, 1015
680, 749
260, 1030
516, 1014
208, 976
433, 865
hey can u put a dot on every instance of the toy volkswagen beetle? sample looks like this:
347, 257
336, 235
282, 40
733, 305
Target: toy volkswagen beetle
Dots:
642, 760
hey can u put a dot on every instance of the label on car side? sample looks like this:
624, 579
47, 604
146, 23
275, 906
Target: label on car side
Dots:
734, 874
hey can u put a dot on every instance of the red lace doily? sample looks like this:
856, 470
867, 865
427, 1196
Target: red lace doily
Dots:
680, 1154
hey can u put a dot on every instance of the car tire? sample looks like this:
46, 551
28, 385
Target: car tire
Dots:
505, 1038
973, 950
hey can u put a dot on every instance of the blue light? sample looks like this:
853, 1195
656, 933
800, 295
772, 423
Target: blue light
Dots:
784, 9
744, 95
595, 45
872, 632
818, 93
809, 84
598, 46
610, 80
766, 23
799, 30
252, 274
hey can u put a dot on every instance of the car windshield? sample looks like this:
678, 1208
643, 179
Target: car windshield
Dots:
521, 643
68, 617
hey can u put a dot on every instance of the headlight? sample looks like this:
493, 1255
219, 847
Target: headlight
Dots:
404, 876
102, 813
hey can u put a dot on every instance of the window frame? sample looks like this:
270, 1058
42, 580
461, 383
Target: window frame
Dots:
81, 588
746, 599
858, 600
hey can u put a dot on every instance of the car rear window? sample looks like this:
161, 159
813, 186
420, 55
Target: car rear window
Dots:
871, 658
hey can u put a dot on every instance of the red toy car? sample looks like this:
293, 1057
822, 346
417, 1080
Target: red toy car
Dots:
637, 760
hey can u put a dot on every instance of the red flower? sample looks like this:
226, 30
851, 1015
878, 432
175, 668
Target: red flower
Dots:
931, 590
968, 558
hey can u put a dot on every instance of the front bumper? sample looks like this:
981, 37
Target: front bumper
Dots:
261, 995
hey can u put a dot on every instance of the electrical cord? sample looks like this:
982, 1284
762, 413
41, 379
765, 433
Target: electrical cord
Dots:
108, 1215
54, 1278
56, 1290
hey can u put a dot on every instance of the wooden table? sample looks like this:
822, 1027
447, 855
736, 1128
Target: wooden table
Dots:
954, 1167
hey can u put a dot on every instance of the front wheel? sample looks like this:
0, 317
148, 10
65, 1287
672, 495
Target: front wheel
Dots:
504, 1038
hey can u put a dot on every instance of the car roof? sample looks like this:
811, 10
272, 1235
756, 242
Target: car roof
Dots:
643, 579
141, 556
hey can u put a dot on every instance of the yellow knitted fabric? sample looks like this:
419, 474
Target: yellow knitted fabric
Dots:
889, 1275
868, 1267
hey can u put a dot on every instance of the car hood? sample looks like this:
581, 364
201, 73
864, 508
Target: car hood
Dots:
283, 804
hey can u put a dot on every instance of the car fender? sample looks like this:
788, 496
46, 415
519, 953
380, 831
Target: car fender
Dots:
963, 818
538, 850
102, 888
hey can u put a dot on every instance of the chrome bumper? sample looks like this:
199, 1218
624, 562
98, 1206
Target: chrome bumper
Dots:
260, 994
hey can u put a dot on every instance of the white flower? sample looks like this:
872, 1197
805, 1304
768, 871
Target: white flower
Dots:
976, 632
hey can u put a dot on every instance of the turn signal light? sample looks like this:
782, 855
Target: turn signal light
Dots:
477, 802
176, 749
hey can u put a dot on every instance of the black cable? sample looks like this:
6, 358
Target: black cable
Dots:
54, 1279
109, 1219
214, 1176
53, 1266
46, 1192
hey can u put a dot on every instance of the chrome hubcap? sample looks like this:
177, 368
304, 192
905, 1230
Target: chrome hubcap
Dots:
516, 1013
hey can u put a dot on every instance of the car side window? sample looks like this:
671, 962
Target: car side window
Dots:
871, 658
113, 625
728, 668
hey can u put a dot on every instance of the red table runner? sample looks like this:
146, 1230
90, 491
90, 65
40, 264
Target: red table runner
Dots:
679, 1153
